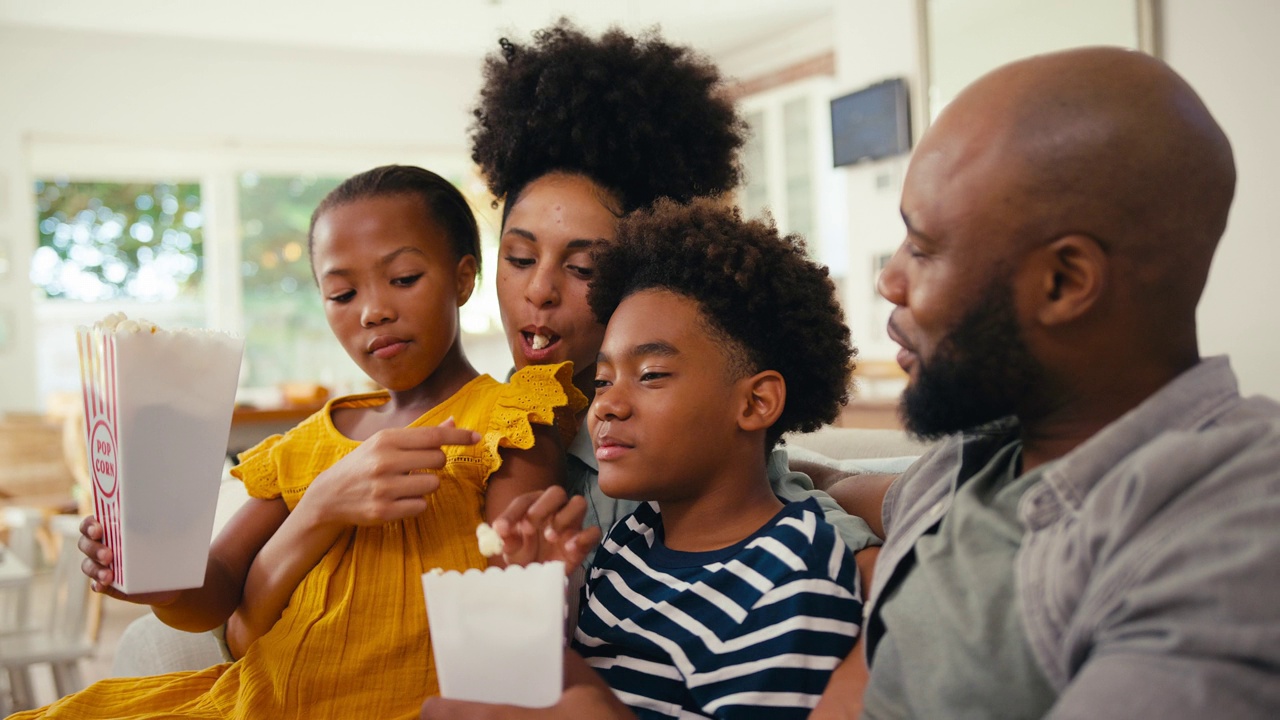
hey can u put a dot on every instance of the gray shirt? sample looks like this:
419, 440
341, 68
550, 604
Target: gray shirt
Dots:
962, 580
1148, 578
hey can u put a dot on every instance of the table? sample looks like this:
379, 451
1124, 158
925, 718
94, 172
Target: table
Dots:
251, 424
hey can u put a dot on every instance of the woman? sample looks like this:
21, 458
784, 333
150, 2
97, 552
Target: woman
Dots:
571, 133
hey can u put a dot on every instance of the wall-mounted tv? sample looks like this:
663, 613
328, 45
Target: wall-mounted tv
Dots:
871, 123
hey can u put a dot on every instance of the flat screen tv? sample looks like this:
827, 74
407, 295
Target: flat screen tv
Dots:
871, 123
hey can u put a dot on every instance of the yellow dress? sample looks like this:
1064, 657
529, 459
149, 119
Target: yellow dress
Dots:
353, 640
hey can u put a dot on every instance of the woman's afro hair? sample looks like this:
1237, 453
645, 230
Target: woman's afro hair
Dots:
757, 289
642, 118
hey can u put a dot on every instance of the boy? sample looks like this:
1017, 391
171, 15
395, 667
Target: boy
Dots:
713, 599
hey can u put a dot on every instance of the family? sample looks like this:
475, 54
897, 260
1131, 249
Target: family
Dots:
1091, 533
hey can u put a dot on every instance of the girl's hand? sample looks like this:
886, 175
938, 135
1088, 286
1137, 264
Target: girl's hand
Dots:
386, 478
97, 565
546, 526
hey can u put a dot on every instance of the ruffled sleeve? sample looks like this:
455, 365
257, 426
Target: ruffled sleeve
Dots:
542, 394
258, 469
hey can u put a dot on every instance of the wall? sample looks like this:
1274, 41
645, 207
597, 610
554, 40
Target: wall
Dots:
1223, 49
101, 88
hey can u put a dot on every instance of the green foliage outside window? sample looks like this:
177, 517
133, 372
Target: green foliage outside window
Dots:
111, 240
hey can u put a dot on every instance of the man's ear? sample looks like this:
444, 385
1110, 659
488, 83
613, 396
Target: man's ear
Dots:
764, 395
466, 278
1072, 275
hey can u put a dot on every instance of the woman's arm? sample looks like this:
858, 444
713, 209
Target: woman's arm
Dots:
381, 480
523, 474
863, 495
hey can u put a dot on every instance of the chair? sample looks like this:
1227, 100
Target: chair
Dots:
63, 641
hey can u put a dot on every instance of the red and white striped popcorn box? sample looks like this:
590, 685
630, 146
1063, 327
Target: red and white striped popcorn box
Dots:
158, 410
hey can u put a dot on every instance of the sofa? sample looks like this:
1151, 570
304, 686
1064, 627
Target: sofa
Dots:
149, 647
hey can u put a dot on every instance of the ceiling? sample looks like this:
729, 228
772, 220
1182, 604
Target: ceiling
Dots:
437, 27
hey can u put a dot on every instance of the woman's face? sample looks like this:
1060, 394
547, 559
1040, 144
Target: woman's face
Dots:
544, 268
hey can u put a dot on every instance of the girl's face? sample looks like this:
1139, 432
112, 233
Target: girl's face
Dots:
391, 287
544, 268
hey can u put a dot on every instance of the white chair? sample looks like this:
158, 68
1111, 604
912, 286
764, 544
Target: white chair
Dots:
63, 641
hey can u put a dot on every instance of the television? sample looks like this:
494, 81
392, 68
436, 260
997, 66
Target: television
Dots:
871, 123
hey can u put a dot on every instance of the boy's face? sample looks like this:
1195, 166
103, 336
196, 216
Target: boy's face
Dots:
666, 405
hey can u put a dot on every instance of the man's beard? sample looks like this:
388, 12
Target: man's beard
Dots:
980, 372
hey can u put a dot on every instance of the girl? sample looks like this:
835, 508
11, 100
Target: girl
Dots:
318, 577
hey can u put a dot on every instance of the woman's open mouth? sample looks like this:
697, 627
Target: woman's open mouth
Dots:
538, 344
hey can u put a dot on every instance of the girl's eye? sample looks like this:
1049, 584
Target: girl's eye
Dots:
600, 383
407, 280
520, 262
343, 298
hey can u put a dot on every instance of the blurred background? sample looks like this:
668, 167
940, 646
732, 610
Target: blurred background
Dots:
162, 157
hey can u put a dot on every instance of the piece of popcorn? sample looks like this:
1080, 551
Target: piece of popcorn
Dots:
490, 541
435, 571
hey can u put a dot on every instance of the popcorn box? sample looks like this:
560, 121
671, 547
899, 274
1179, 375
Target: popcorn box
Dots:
158, 410
498, 635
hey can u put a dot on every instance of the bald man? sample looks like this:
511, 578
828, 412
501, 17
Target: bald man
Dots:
1097, 533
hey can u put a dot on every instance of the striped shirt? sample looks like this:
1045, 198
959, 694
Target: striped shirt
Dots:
749, 631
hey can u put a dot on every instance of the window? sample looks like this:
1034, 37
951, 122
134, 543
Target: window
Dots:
214, 238
136, 245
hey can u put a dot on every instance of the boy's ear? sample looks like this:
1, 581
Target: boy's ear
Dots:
466, 276
765, 394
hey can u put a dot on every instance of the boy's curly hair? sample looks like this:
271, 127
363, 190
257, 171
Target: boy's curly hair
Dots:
640, 117
757, 289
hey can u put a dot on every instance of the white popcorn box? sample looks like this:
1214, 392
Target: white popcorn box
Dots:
498, 635
158, 410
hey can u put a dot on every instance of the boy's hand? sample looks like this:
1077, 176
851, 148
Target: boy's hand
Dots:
386, 478
97, 565
546, 526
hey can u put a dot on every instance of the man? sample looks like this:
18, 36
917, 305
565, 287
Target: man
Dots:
1096, 533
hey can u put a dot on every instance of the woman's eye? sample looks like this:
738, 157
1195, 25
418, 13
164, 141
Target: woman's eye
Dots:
582, 272
406, 280
520, 262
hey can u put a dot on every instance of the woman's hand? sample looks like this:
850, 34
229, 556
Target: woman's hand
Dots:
546, 526
97, 565
386, 478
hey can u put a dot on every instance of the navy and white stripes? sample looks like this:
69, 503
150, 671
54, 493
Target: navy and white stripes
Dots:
750, 631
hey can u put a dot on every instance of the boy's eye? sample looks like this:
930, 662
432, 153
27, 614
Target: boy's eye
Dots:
600, 383
520, 262
406, 280
653, 375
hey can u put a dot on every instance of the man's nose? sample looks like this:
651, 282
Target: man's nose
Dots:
891, 284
